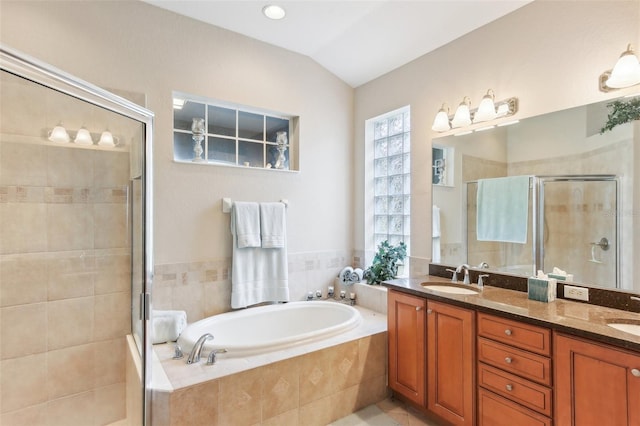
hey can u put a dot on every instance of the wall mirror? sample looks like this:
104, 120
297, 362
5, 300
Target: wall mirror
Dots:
581, 201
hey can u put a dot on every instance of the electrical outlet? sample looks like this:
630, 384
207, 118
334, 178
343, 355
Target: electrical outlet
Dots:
577, 293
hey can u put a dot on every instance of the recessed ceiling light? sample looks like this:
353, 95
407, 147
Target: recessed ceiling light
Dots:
273, 11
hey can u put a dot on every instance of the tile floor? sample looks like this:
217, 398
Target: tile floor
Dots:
387, 412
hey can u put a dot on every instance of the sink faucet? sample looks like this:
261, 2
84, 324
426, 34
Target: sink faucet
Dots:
194, 356
464, 267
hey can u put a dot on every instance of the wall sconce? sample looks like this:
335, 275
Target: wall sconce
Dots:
83, 137
441, 122
487, 110
625, 73
462, 117
58, 134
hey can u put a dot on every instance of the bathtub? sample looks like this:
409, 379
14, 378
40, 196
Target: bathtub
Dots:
269, 328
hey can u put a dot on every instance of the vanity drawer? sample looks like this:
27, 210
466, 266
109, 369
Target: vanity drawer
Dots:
524, 364
522, 391
524, 336
493, 410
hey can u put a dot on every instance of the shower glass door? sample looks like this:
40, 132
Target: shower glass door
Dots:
74, 250
579, 227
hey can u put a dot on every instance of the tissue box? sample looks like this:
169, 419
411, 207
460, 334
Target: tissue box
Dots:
542, 290
568, 277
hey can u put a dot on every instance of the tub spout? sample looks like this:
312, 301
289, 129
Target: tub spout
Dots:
194, 356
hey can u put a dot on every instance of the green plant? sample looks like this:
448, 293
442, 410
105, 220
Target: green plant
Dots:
385, 262
622, 112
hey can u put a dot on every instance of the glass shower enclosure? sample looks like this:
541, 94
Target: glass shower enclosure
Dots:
75, 249
572, 224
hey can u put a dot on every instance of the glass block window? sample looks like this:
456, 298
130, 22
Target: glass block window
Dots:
233, 135
392, 177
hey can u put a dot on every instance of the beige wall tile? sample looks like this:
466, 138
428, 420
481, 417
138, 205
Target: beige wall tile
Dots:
70, 277
110, 404
35, 415
372, 356
189, 297
23, 382
111, 169
22, 281
196, 405
160, 408
318, 412
113, 273
110, 225
110, 358
112, 316
23, 228
63, 380
240, 398
23, 330
290, 418
22, 164
75, 410
280, 392
70, 322
69, 166
69, 227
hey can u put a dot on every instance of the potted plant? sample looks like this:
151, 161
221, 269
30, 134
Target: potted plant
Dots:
622, 112
385, 262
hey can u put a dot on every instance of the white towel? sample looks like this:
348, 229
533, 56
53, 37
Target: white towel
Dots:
435, 234
245, 218
272, 225
503, 209
167, 325
258, 274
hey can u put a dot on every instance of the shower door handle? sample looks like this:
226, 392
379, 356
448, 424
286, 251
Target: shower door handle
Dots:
603, 244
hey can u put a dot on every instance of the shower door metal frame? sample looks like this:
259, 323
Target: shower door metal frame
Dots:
539, 212
24, 66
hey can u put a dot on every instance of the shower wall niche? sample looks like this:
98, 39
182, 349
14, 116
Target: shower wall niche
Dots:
72, 257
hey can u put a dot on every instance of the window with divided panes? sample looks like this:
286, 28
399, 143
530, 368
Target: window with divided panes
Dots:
392, 177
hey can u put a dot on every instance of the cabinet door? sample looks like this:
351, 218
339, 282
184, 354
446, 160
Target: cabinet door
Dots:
407, 352
451, 360
595, 384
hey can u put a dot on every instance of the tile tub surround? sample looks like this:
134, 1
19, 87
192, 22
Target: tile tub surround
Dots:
309, 384
580, 319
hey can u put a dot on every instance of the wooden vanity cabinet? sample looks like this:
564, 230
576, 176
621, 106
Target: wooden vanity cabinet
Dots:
406, 316
595, 384
514, 373
450, 362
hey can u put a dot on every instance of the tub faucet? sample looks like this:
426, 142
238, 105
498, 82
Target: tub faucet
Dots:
464, 267
194, 356
212, 356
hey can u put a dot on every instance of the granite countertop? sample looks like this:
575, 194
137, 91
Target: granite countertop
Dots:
575, 318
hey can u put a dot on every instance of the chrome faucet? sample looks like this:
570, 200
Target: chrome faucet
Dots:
466, 268
194, 356
212, 356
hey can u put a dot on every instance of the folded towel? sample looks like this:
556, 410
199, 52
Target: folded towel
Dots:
245, 221
360, 273
272, 225
503, 209
166, 326
345, 274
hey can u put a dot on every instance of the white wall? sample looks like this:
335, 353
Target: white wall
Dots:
131, 46
549, 54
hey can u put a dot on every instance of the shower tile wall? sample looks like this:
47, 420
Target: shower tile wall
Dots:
64, 283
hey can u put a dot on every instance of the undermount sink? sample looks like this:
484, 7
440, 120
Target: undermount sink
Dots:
628, 326
450, 288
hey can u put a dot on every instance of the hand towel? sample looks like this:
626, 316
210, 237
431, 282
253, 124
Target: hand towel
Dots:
245, 219
272, 225
503, 209
166, 326
345, 274
435, 234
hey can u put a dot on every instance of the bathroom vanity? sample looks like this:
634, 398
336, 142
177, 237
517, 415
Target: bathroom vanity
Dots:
496, 358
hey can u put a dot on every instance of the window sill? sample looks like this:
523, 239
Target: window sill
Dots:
234, 166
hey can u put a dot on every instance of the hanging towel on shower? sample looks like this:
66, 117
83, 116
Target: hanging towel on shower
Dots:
258, 274
435, 234
272, 225
246, 217
503, 209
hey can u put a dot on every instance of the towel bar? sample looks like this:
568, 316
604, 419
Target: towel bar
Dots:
228, 202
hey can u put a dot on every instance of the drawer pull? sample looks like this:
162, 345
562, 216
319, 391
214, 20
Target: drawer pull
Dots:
507, 332
508, 360
418, 308
429, 311
509, 387
635, 372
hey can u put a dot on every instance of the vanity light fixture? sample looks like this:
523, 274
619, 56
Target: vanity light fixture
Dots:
462, 116
83, 137
273, 11
625, 73
487, 110
441, 122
